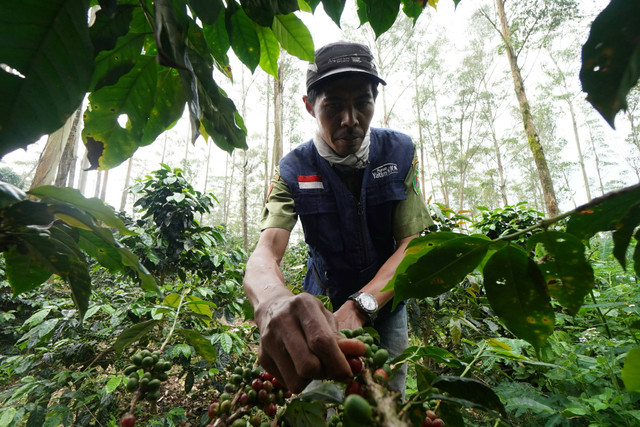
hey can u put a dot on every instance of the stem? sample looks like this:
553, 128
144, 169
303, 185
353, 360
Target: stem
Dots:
173, 327
386, 402
604, 320
475, 359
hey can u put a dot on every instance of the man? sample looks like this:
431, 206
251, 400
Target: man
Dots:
355, 191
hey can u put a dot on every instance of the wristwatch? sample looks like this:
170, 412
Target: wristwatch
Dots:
366, 304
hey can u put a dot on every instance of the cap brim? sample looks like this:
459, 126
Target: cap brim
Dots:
346, 70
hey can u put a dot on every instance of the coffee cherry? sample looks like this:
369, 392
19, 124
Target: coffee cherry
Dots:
255, 421
240, 422
244, 398
213, 409
267, 385
270, 410
437, 423
256, 384
380, 376
132, 385
356, 364
380, 357
238, 370
128, 420
357, 409
430, 414
263, 395
229, 388
148, 362
225, 407
427, 422
353, 388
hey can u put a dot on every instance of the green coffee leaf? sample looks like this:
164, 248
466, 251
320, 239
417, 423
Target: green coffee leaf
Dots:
517, 293
623, 232
294, 36
471, 390
611, 58
269, 50
243, 37
441, 267
113, 384
133, 334
207, 10
604, 213
334, 9
631, 371
327, 392
381, 14
304, 414
568, 275
202, 345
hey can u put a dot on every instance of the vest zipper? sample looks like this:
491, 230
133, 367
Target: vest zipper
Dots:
363, 234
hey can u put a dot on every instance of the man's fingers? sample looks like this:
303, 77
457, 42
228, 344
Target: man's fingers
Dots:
351, 347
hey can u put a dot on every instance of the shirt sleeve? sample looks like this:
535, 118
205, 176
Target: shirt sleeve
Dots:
279, 210
411, 215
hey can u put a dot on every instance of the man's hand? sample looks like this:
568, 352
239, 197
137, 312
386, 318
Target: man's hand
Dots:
349, 317
300, 341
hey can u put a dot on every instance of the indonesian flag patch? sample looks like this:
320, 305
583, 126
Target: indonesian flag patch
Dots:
310, 182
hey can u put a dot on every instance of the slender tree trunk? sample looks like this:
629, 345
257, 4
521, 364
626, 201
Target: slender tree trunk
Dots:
50, 157
96, 190
164, 148
206, 171
277, 119
125, 188
596, 159
533, 138
67, 158
566, 181
245, 207
267, 177
420, 136
103, 190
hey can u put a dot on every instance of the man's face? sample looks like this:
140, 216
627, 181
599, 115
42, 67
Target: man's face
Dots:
344, 110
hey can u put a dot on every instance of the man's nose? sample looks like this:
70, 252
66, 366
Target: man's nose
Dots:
349, 116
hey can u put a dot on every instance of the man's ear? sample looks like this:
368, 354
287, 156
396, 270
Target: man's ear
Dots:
308, 105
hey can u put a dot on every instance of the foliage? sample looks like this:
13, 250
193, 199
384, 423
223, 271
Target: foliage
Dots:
508, 220
611, 58
53, 236
144, 61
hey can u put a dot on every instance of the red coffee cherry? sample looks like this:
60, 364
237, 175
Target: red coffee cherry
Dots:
128, 420
356, 364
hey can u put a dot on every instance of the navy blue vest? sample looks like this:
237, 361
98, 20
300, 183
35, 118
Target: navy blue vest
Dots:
349, 239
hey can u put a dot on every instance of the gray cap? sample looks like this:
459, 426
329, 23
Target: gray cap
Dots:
342, 57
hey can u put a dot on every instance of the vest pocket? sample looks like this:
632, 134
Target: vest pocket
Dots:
320, 221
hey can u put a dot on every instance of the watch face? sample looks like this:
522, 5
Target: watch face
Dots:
368, 302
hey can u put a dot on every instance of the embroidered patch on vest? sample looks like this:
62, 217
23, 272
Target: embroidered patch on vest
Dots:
309, 182
385, 170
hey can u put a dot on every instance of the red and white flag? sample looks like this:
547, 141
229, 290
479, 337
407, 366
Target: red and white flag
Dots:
308, 182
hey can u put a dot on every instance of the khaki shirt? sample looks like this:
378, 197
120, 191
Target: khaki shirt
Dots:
410, 216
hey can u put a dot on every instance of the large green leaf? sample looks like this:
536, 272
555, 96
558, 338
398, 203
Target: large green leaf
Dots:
219, 115
439, 355
133, 334
207, 10
441, 268
517, 293
72, 197
108, 143
112, 64
108, 26
200, 343
269, 50
334, 9
243, 37
382, 14
48, 45
624, 231
217, 39
262, 11
305, 414
471, 390
568, 274
294, 36
611, 58
631, 371
168, 105
22, 273
603, 213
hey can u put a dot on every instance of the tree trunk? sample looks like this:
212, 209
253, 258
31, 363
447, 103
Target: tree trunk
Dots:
277, 120
82, 181
67, 159
125, 188
50, 157
245, 230
103, 189
596, 159
533, 138
267, 177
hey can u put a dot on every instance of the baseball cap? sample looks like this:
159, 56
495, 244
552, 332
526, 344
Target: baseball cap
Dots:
342, 57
